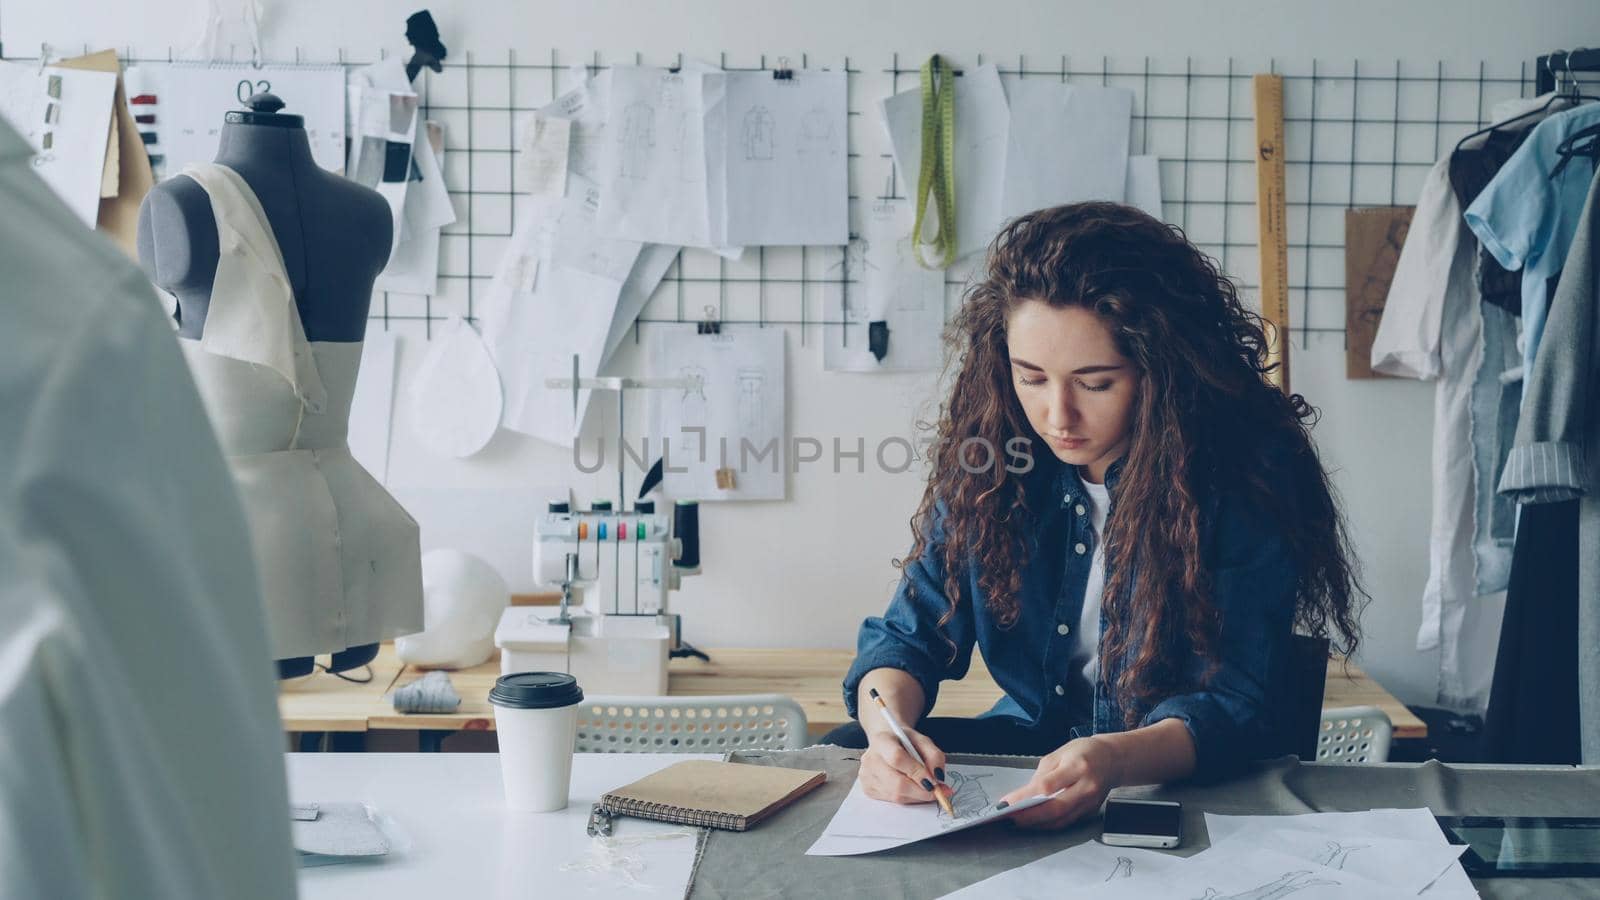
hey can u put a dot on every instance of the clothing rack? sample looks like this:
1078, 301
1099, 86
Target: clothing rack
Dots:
1547, 66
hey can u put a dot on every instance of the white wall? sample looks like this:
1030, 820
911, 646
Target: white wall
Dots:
804, 572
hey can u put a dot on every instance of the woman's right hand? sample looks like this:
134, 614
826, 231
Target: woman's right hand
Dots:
889, 773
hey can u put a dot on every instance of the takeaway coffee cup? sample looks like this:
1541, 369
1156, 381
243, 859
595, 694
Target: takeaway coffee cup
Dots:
536, 715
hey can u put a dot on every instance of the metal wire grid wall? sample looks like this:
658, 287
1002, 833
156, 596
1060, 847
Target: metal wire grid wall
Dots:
1357, 136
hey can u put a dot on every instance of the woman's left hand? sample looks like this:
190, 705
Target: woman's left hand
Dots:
1084, 771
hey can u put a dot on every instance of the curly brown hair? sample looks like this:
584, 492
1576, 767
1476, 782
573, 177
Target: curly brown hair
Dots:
1206, 420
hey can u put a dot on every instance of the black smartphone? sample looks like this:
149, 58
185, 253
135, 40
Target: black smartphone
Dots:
1143, 823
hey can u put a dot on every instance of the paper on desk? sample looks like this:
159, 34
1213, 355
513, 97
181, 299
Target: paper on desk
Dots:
889, 286
65, 116
982, 123
1409, 865
1404, 824
731, 416
1075, 872
1237, 871
785, 159
865, 825
1144, 184
192, 98
1067, 143
414, 265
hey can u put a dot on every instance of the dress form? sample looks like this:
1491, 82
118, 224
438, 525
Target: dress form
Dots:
333, 237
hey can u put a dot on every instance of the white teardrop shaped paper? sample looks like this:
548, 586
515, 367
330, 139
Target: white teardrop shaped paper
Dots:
456, 400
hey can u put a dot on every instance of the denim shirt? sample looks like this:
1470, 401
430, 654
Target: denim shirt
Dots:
1242, 713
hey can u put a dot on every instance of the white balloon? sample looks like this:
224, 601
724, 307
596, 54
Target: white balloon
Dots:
463, 597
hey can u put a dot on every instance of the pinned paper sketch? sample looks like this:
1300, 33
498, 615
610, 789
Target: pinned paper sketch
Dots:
554, 295
383, 113
648, 270
653, 170
584, 108
372, 405
886, 285
542, 155
191, 100
982, 124
65, 116
1067, 143
1076, 871
728, 419
1144, 184
787, 181
414, 265
456, 399
865, 825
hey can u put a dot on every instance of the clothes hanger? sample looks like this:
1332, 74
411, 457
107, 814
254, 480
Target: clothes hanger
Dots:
1570, 95
1585, 142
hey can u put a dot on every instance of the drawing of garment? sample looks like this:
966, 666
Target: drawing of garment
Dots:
760, 131
750, 405
970, 798
693, 414
688, 170
638, 138
1336, 854
1123, 869
816, 134
1282, 886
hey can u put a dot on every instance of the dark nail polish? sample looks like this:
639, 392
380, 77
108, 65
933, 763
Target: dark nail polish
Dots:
1001, 805
927, 785
939, 774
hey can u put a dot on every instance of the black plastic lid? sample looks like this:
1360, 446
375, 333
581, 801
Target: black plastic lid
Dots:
535, 690
644, 506
559, 506
600, 506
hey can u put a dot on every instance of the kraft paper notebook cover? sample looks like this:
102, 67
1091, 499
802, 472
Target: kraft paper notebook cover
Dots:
732, 796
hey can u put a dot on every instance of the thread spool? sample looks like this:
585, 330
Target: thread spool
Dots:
686, 527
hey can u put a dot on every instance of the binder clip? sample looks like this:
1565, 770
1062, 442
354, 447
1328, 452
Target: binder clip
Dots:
783, 72
709, 324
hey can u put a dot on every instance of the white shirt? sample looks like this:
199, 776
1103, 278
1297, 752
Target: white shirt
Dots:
1099, 504
140, 750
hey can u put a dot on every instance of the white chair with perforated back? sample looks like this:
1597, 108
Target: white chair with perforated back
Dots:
690, 724
1351, 735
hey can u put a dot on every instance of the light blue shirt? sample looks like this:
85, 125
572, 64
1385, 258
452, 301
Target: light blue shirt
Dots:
1527, 219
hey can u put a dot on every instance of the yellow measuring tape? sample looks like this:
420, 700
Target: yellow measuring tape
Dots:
1273, 232
938, 168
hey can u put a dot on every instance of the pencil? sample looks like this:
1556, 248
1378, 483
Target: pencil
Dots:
944, 802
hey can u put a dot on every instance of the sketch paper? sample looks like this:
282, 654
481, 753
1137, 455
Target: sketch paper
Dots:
414, 265
372, 404
1067, 143
653, 174
1075, 872
891, 287
865, 825
1237, 871
456, 399
1404, 824
542, 155
730, 417
554, 295
191, 99
1144, 184
652, 265
1406, 865
65, 116
584, 107
787, 181
383, 126
982, 124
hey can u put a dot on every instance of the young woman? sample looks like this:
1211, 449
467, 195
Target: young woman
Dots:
1123, 515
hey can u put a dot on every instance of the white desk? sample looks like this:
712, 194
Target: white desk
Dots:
465, 843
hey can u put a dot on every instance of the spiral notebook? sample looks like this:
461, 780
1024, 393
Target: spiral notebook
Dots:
731, 796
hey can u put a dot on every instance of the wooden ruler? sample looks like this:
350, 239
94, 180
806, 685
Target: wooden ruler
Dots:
1273, 233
